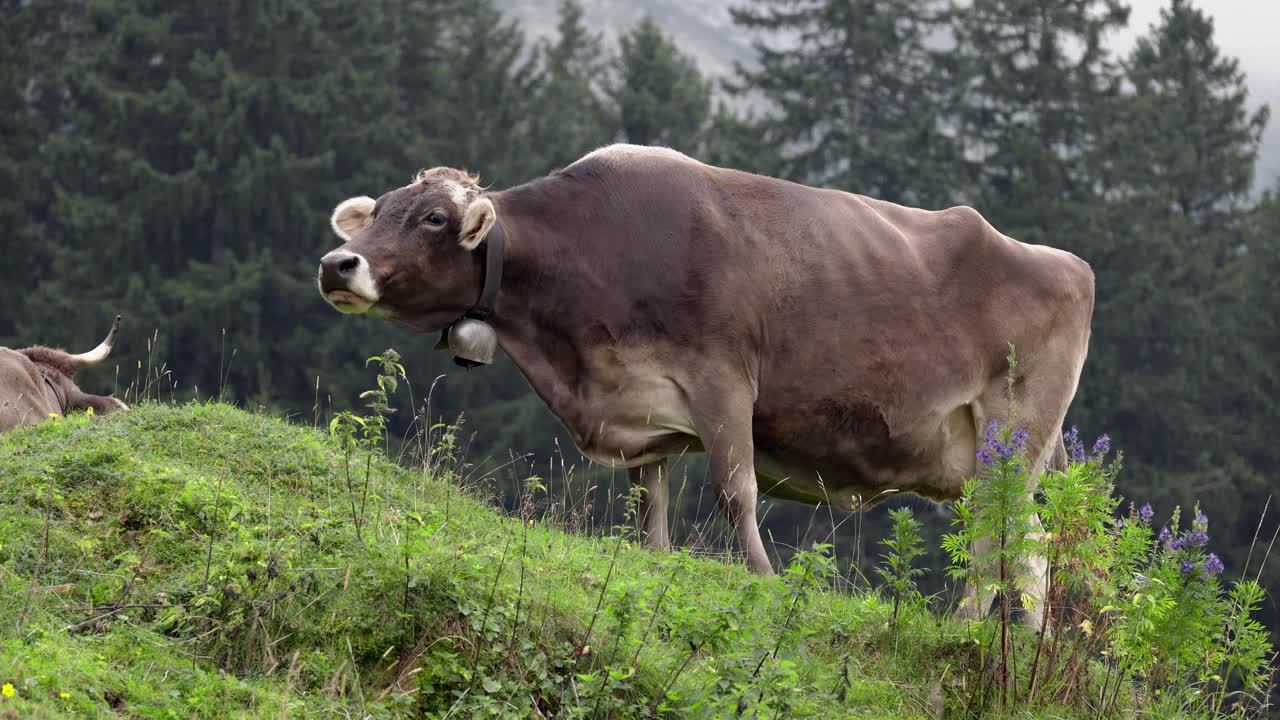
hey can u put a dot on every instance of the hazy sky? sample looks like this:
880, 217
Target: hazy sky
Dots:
1245, 29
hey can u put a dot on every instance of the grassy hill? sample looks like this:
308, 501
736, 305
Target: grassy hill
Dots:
202, 561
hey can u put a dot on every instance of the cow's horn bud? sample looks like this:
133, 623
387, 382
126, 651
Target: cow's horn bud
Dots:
100, 353
472, 342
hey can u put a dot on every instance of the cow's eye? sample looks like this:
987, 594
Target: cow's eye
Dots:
435, 218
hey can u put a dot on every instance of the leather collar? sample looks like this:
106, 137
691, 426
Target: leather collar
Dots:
58, 398
494, 246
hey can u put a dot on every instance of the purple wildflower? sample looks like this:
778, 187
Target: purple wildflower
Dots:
1074, 447
1101, 447
993, 450
1165, 536
1177, 544
1199, 535
1019, 440
1213, 565
1188, 567
992, 427
1145, 513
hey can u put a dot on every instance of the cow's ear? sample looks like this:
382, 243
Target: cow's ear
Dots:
352, 215
476, 223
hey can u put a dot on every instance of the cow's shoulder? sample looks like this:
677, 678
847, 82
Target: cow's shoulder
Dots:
624, 155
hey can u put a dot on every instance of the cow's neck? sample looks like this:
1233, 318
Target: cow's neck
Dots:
547, 312
56, 395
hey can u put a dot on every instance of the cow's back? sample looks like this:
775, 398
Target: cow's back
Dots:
826, 273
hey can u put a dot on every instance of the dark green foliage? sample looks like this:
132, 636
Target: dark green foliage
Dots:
466, 106
735, 141
199, 158
1175, 369
858, 105
1183, 138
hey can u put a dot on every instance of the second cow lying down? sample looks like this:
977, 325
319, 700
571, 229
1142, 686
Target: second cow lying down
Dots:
38, 382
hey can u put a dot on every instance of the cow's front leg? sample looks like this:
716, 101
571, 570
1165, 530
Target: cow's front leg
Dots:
1036, 580
653, 503
1033, 580
976, 599
731, 452
101, 404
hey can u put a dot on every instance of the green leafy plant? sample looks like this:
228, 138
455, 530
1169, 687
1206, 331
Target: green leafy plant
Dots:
1124, 606
366, 433
996, 515
902, 547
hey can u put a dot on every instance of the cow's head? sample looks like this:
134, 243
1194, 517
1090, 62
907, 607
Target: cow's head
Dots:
408, 255
59, 367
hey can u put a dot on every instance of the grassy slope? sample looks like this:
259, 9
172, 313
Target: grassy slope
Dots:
105, 530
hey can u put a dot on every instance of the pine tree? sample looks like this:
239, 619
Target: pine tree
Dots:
1182, 357
1031, 78
1183, 137
856, 103
1175, 158
568, 115
469, 107
1255, 312
661, 97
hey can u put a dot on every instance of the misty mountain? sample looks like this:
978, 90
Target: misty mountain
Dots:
702, 28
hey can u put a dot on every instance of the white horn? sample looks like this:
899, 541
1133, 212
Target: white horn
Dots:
100, 353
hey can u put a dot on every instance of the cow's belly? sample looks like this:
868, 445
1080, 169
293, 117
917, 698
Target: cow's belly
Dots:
641, 419
859, 471
803, 456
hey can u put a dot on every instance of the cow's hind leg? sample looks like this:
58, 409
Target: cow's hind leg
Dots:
976, 600
726, 434
653, 503
1041, 405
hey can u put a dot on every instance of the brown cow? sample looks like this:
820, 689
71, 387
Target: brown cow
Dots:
37, 382
820, 346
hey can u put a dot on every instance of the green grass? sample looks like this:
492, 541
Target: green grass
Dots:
201, 561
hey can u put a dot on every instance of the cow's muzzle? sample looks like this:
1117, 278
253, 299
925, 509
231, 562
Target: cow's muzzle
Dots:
346, 282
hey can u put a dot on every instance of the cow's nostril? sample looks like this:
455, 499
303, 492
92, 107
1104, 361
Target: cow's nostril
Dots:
348, 265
